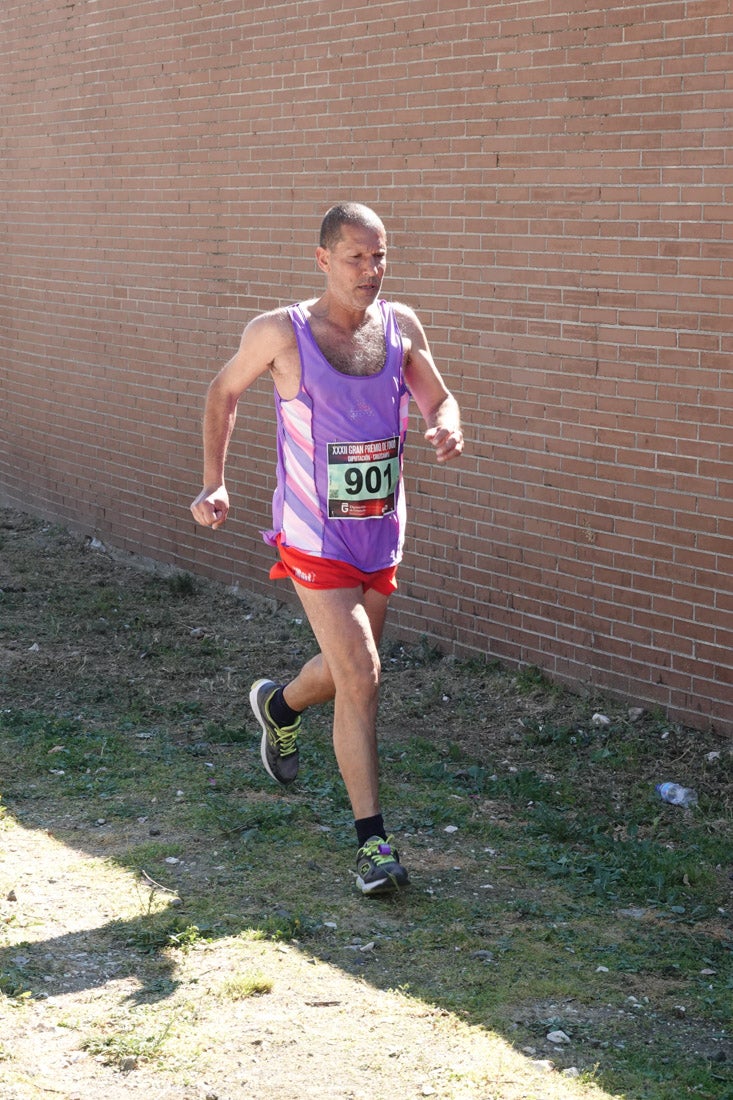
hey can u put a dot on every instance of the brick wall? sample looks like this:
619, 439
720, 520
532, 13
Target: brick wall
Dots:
556, 180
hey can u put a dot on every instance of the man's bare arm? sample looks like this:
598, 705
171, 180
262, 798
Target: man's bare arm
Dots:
436, 403
262, 341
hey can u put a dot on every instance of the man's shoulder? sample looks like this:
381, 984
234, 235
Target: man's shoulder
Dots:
406, 317
281, 316
278, 316
273, 324
402, 310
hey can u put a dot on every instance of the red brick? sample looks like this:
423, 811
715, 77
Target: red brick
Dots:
557, 188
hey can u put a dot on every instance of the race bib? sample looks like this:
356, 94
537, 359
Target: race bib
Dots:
362, 478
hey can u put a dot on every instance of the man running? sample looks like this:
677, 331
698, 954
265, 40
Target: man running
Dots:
344, 366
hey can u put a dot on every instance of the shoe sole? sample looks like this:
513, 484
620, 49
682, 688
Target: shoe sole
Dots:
254, 692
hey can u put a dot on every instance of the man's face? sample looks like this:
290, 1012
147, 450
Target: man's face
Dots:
355, 266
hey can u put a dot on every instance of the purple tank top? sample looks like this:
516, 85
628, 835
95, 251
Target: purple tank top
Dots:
340, 441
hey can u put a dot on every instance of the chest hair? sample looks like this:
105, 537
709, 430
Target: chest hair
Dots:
360, 353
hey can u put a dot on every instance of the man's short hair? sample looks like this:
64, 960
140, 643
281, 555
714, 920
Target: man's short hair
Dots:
346, 213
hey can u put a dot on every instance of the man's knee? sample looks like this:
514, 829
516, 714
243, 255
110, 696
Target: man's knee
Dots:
361, 681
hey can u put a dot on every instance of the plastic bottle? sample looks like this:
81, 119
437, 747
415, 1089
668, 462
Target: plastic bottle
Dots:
677, 795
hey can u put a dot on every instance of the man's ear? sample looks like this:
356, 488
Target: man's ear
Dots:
323, 258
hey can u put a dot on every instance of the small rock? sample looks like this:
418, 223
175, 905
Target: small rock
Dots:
12, 896
571, 1071
635, 713
557, 1037
450, 829
128, 1063
544, 1065
601, 720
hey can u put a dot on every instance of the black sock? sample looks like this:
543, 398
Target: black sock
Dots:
369, 826
280, 712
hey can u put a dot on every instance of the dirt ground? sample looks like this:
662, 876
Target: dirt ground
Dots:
319, 1031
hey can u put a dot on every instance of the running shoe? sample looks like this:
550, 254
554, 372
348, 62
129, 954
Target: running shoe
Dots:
278, 748
378, 867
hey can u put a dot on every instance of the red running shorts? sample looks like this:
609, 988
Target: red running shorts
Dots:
315, 572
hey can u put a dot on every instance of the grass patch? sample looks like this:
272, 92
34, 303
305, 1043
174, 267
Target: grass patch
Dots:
242, 986
126, 1046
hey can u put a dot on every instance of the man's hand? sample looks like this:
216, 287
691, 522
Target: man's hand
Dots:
211, 507
448, 443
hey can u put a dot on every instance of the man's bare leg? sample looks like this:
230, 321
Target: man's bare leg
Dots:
348, 625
